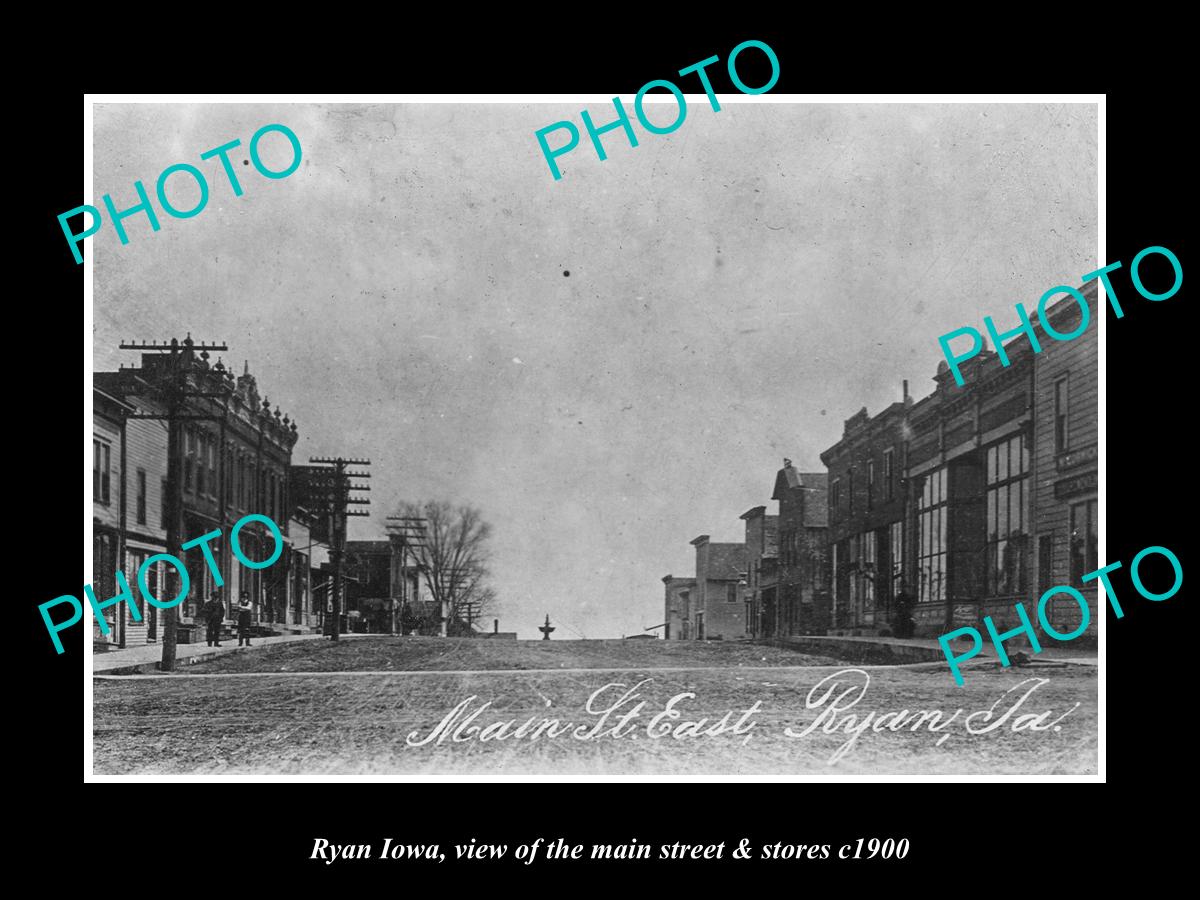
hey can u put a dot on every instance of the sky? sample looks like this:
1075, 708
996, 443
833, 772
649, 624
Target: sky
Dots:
736, 290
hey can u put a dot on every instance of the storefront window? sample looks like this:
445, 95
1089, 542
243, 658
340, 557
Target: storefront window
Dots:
1007, 526
1083, 541
931, 525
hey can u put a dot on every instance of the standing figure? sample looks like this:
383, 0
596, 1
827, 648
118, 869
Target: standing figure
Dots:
243, 619
213, 615
903, 625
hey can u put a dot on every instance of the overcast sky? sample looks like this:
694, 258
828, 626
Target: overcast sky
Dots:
737, 289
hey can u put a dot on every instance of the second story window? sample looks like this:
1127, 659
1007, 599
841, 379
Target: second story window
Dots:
1007, 526
1060, 415
835, 494
1083, 540
889, 473
227, 474
896, 549
931, 538
101, 463
189, 460
850, 491
141, 496
870, 483
201, 463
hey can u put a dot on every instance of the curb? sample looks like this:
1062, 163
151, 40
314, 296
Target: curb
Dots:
151, 667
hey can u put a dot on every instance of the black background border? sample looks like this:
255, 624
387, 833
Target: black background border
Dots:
950, 825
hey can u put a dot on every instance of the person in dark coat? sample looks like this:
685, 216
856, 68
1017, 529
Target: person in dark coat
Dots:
243, 619
213, 614
904, 625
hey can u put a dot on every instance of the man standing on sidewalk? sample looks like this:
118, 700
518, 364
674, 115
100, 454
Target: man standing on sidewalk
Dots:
213, 613
243, 619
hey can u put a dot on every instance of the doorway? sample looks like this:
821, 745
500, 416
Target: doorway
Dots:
768, 613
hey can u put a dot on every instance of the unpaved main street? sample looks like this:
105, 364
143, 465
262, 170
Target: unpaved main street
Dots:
426, 707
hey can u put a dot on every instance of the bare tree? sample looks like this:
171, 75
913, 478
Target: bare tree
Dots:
455, 558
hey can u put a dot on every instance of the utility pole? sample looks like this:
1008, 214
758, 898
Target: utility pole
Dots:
472, 608
406, 532
170, 385
329, 480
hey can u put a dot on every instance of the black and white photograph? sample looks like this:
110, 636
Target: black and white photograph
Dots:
428, 446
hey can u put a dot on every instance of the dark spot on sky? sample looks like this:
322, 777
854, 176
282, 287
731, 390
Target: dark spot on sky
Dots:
566, 273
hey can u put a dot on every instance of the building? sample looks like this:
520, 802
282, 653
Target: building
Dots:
108, 509
677, 607
146, 519
796, 599
306, 576
368, 587
965, 503
718, 608
386, 591
970, 493
933, 498
866, 506
977, 497
1065, 456
129, 464
762, 557
234, 452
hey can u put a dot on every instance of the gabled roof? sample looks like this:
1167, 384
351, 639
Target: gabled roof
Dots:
814, 486
788, 478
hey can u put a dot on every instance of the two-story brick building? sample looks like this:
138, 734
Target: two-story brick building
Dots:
866, 518
970, 492
234, 452
933, 498
797, 599
762, 558
386, 590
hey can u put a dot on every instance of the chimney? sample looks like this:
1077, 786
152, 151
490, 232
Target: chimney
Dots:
905, 390
495, 626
